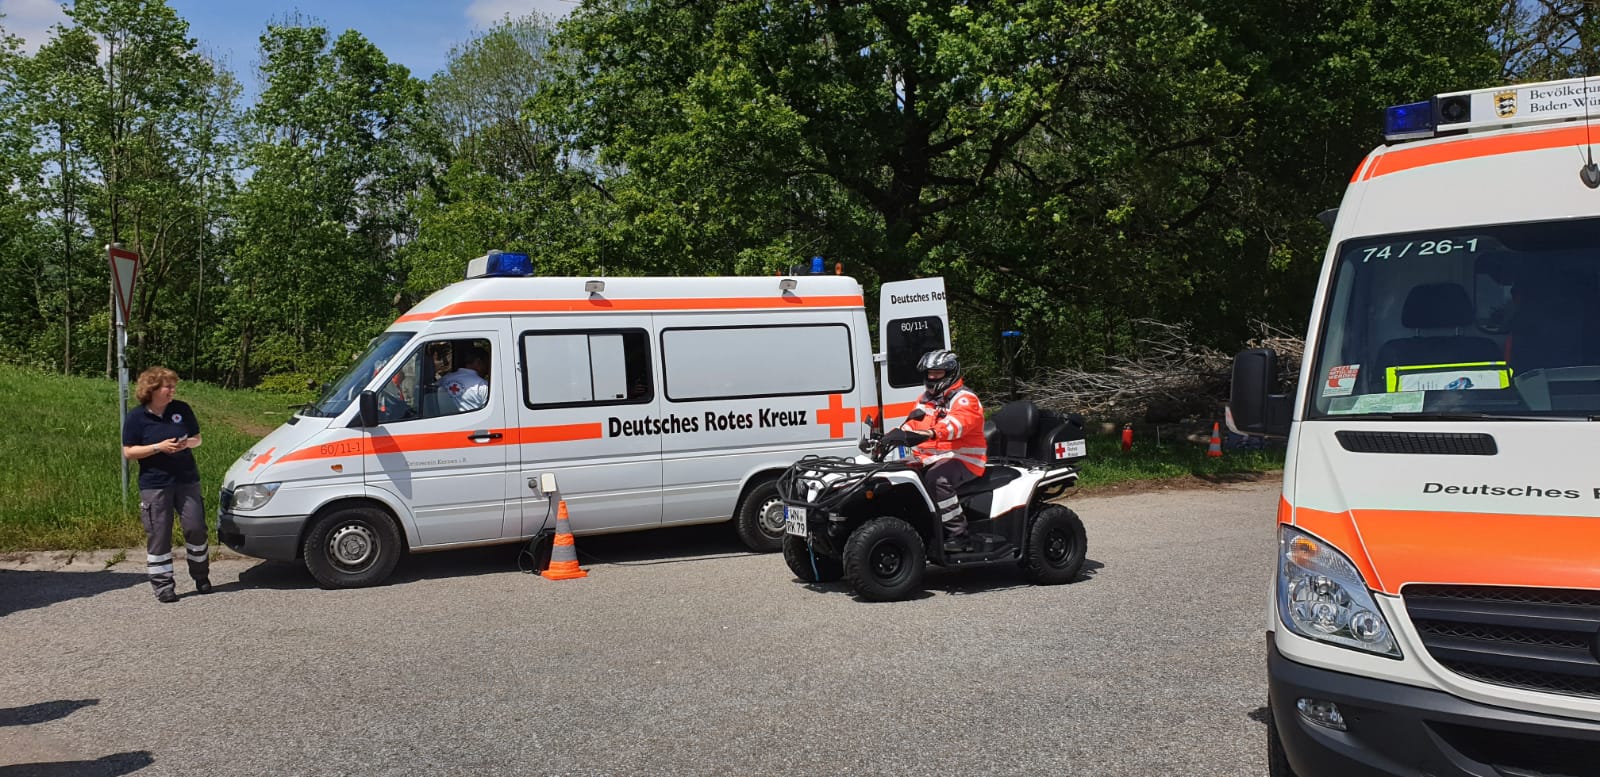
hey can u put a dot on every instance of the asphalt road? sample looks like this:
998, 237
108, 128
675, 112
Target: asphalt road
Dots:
679, 654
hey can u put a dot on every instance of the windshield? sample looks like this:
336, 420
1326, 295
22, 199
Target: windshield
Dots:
342, 392
1495, 322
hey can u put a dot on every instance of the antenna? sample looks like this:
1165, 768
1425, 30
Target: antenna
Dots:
1590, 172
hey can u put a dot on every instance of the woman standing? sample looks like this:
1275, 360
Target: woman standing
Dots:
159, 435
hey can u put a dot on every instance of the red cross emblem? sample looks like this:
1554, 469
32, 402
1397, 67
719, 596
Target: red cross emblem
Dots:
455, 389
1061, 450
262, 459
836, 415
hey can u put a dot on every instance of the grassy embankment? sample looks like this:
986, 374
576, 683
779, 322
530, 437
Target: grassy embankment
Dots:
59, 477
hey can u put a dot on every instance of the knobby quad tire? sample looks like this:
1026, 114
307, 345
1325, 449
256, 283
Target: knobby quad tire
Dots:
884, 560
797, 554
760, 518
352, 548
1056, 547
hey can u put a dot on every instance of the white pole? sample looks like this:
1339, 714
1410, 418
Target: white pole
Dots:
122, 375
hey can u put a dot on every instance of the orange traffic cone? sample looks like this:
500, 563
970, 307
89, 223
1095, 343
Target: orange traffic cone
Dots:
563, 554
1215, 449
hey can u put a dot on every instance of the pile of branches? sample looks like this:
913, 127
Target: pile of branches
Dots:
1169, 378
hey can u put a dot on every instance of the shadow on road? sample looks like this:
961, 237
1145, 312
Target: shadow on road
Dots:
43, 711
105, 766
963, 582
1260, 715
654, 546
27, 589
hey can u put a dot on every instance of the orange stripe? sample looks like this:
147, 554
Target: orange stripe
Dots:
1409, 157
1338, 529
563, 539
1420, 546
415, 443
592, 305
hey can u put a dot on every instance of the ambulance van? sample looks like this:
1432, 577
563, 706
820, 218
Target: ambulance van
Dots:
653, 401
1435, 604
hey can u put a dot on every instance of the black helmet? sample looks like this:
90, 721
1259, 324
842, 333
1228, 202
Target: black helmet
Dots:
939, 360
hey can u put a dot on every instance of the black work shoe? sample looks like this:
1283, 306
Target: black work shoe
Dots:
202, 586
167, 597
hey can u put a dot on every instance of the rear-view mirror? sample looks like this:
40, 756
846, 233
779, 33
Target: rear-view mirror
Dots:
1254, 405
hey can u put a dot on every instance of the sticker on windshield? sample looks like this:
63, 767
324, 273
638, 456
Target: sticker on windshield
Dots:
1466, 376
1341, 380
1400, 402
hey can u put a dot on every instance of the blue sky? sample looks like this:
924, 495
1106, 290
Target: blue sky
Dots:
414, 33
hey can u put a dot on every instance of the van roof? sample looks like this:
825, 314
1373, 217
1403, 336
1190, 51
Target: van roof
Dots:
540, 295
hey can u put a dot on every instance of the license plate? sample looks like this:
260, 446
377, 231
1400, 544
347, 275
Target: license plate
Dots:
794, 521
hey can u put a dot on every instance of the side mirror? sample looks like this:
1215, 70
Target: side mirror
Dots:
369, 409
1253, 405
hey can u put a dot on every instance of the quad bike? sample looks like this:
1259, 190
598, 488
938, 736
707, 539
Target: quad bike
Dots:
870, 520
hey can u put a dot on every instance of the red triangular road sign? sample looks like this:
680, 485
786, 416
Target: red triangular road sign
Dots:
124, 271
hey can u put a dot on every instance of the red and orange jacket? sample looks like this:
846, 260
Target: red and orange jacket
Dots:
955, 419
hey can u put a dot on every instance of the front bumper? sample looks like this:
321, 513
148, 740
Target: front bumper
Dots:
1396, 729
274, 537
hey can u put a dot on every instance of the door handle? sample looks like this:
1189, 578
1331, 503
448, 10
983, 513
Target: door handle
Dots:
484, 436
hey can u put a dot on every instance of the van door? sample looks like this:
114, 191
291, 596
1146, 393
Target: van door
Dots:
590, 413
912, 320
441, 442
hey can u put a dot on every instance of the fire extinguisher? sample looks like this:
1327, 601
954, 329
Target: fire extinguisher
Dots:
1127, 437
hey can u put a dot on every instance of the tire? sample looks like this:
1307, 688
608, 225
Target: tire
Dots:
352, 548
884, 560
797, 554
1277, 759
1056, 547
760, 518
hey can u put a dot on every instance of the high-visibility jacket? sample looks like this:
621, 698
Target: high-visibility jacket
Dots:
955, 419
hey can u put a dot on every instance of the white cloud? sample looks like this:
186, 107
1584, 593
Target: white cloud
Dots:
484, 13
30, 20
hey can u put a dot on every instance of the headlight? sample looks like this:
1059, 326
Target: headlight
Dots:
1321, 596
252, 497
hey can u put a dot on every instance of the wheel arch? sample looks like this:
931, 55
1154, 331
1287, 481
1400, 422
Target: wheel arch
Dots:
348, 502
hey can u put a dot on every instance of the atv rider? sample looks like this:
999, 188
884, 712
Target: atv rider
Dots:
945, 433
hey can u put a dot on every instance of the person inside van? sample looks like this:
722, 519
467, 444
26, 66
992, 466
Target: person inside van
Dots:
947, 440
466, 388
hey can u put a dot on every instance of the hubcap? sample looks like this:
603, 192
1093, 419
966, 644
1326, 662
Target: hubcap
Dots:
772, 517
1055, 547
352, 546
886, 559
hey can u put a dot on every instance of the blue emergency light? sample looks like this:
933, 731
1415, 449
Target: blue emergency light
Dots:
816, 265
1409, 121
507, 265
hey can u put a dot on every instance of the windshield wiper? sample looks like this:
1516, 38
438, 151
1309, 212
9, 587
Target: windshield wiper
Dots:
1474, 416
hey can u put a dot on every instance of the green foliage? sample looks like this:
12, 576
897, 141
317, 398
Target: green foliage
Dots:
64, 495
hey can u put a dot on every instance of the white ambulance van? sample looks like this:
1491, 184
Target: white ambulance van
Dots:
655, 401
1435, 603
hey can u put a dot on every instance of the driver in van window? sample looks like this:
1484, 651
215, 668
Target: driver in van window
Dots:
1551, 321
467, 388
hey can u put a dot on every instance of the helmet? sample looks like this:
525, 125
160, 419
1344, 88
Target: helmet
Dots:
939, 360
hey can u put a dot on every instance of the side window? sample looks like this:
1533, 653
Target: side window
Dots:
438, 378
756, 361
907, 339
571, 369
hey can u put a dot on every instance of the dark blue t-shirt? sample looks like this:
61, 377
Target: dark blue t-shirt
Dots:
143, 427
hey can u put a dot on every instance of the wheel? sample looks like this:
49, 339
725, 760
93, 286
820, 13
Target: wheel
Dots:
808, 566
1277, 760
883, 559
760, 518
352, 548
1056, 546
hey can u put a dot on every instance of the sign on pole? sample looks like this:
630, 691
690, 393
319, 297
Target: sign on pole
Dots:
124, 271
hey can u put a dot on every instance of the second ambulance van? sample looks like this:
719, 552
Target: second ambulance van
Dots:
656, 402
1435, 604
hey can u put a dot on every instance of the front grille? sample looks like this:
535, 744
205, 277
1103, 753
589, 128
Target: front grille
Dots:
1436, 443
1539, 639
1521, 754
